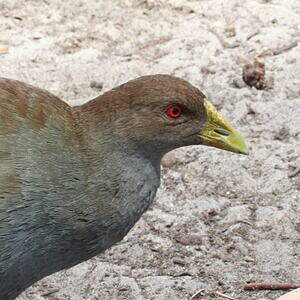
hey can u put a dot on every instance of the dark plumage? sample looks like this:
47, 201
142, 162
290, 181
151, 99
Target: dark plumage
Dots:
73, 181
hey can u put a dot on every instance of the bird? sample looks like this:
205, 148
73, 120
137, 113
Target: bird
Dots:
75, 180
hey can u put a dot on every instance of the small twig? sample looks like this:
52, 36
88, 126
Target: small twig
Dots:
268, 52
222, 41
286, 48
250, 36
294, 173
278, 51
271, 286
196, 294
224, 296
246, 222
50, 292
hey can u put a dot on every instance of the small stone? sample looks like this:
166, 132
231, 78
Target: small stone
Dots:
282, 134
96, 85
294, 173
248, 259
179, 261
206, 71
163, 272
254, 75
169, 224
230, 32
251, 111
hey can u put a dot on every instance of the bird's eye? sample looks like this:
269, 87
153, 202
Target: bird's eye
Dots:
174, 111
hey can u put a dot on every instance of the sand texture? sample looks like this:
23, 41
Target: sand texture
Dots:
220, 220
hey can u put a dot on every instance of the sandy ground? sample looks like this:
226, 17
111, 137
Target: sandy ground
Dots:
220, 220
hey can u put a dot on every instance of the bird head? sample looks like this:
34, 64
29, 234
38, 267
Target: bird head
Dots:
159, 113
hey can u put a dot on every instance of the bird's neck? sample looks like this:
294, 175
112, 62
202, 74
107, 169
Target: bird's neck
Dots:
121, 174
119, 185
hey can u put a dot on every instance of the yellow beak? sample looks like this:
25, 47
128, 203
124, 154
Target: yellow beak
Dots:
218, 133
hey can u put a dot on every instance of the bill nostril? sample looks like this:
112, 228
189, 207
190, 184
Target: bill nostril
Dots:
222, 132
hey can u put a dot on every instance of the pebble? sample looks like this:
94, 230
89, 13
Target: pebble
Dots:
179, 261
96, 85
248, 259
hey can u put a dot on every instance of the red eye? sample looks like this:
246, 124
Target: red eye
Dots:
174, 111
